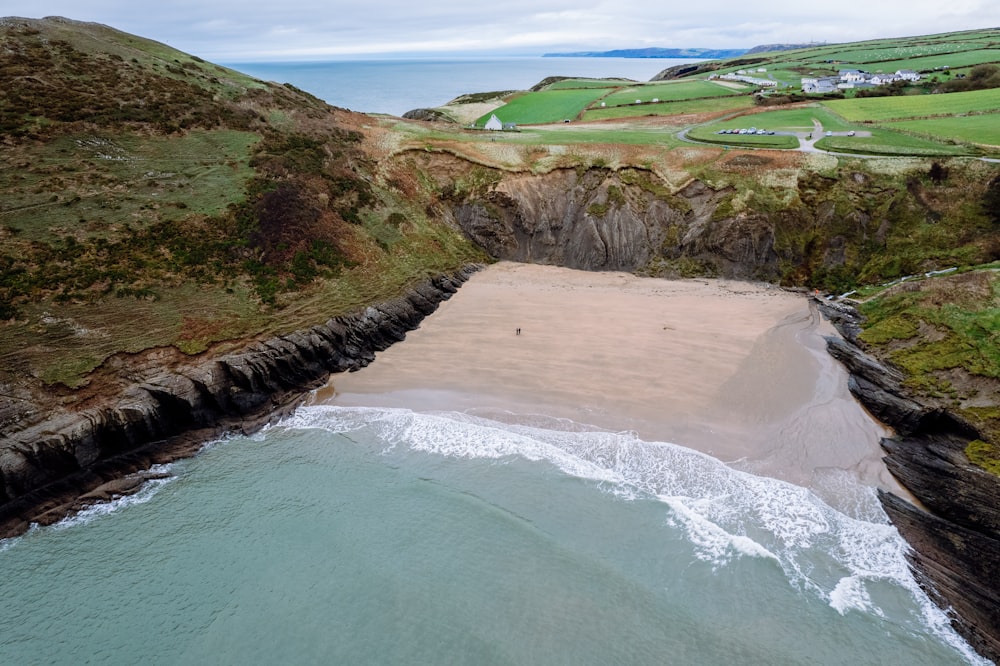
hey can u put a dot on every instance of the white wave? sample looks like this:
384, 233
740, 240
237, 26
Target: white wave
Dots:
726, 513
850, 593
98, 510
713, 543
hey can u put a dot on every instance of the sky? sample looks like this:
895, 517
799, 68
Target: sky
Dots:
266, 30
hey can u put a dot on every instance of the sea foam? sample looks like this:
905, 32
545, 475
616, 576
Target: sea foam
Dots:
726, 513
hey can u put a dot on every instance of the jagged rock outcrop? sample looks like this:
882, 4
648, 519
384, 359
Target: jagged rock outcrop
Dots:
45, 469
428, 115
601, 219
955, 533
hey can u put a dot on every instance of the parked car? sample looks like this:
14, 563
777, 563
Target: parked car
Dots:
851, 133
829, 133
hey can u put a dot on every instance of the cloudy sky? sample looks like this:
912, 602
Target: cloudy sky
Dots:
256, 30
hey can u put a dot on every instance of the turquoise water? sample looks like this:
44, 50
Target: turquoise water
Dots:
383, 536
397, 86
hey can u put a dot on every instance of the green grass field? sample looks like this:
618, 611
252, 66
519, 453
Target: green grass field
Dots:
887, 142
981, 129
588, 83
786, 120
591, 134
962, 59
671, 92
915, 106
707, 105
546, 106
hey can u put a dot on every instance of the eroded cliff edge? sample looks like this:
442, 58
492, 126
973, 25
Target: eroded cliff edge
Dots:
955, 532
74, 457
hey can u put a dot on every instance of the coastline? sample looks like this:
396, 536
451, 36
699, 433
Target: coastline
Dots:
733, 369
75, 459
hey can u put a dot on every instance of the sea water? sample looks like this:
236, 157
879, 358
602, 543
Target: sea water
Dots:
361, 535
396, 86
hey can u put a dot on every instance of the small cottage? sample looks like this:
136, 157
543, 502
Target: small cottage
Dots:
493, 123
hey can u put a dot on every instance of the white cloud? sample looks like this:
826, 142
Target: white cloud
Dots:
255, 29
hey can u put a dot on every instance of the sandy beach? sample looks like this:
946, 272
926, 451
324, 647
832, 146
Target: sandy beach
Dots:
732, 369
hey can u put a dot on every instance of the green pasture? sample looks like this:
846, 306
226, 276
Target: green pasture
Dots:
961, 59
799, 119
588, 83
915, 106
672, 92
596, 134
707, 105
546, 106
887, 142
982, 129
889, 52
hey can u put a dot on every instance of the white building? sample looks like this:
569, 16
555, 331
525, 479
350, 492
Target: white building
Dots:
851, 75
493, 123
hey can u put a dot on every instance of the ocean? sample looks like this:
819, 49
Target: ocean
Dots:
382, 535
397, 86
359, 535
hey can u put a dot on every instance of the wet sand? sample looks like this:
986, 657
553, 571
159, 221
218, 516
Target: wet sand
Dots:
732, 369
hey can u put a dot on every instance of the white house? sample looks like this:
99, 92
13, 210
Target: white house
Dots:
493, 123
851, 75
908, 75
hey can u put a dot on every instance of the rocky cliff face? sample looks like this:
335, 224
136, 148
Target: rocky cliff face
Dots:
600, 219
45, 469
955, 533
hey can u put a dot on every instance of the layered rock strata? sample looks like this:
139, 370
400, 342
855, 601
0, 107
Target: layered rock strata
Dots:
51, 469
955, 531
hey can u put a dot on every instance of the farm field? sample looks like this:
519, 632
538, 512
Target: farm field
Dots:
981, 129
952, 60
671, 92
546, 106
588, 83
708, 105
916, 106
798, 119
595, 134
887, 142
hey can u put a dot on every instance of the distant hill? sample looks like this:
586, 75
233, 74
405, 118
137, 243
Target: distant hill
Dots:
652, 53
769, 48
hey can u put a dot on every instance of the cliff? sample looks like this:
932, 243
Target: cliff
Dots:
52, 468
601, 219
955, 531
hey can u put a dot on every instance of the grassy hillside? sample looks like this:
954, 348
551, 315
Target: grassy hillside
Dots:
945, 334
153, 200
133, 224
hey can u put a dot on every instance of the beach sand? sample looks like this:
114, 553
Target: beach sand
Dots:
733, 369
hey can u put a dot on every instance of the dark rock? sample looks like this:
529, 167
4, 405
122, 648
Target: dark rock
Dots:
428, 115
959, 569
955, 533
46, 468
